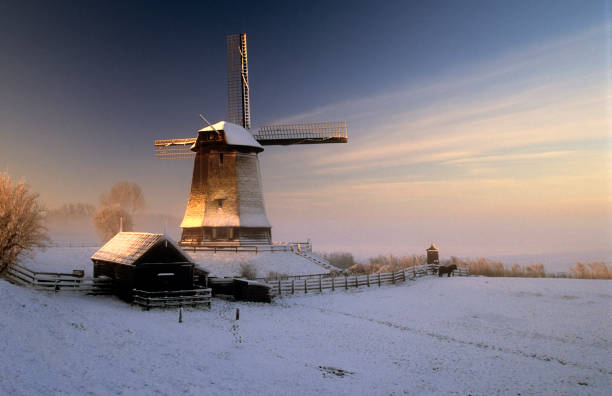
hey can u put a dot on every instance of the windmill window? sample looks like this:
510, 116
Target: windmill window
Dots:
220, 159
219, 203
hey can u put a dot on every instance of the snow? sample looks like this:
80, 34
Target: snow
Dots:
61, 259
433, 336
128, 247
235, 135
220, 264
227, 263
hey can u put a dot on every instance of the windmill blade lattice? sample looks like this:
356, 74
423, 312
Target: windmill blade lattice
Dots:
174, 148
239, 109
303, 133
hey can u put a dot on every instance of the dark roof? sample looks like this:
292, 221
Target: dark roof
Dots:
128, 247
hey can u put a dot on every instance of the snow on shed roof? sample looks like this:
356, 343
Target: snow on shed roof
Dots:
235, 135
128, 247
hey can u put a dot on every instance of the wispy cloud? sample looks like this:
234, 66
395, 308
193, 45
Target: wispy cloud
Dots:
536, 106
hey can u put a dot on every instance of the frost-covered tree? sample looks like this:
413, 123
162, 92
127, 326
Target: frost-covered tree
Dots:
109, 219
21, 221
127, 195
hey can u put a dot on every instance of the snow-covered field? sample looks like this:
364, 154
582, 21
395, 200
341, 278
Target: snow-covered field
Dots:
228, 263
61, 259
478, 336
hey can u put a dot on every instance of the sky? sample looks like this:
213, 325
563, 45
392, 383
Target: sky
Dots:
482, 126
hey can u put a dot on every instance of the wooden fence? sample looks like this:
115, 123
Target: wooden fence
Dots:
317, 285
175, 298
231, 247
54, 281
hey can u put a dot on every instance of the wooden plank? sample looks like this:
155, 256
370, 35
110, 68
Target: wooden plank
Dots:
22, 278
26, 274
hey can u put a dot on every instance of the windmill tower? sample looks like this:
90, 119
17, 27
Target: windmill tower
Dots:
226, 205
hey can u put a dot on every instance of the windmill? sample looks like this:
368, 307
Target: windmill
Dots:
226, 205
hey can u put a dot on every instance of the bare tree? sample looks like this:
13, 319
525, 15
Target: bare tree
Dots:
127, 195
21, 221
108, 219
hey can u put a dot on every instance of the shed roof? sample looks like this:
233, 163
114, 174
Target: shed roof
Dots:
128, 247
235, 135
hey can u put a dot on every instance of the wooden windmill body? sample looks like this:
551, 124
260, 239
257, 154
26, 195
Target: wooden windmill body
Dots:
226, 204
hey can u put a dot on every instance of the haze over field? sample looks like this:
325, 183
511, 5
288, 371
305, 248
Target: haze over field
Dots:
482, 127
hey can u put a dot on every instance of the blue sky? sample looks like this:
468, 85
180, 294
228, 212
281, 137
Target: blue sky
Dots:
483, 126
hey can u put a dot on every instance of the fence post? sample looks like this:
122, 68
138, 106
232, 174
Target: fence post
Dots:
346, 282
280, 289
320, 285
393, 276
305, 285
379, 279
368, 278
293, 286
357, 281
333, 278
404, 274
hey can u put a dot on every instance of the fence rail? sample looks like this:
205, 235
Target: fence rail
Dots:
274, 247
322, 282
174, 298
54, 281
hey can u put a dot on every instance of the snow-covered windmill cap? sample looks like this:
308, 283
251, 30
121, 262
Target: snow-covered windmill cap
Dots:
235, 135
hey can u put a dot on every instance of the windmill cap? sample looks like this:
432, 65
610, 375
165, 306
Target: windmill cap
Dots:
235, 135
433, 247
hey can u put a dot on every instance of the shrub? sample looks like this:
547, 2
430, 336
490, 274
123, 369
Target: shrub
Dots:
594, 270
341, 260
21, 221
248, 271
387, 263
486, 267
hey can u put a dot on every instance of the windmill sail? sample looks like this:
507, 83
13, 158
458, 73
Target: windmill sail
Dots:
306, 133
239, 111
174, 148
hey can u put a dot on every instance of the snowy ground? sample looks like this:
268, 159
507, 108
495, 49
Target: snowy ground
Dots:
61, 259
478, 336
228, 263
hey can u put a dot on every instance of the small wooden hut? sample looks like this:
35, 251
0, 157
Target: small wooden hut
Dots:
433, 254
144, 261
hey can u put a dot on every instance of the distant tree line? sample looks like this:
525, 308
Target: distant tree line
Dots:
71, 211
116, 210
479, 266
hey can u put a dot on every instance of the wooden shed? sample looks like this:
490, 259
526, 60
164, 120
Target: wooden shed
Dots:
144, 261
433, 254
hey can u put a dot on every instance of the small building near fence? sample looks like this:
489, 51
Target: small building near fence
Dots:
144, 261
433, 254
